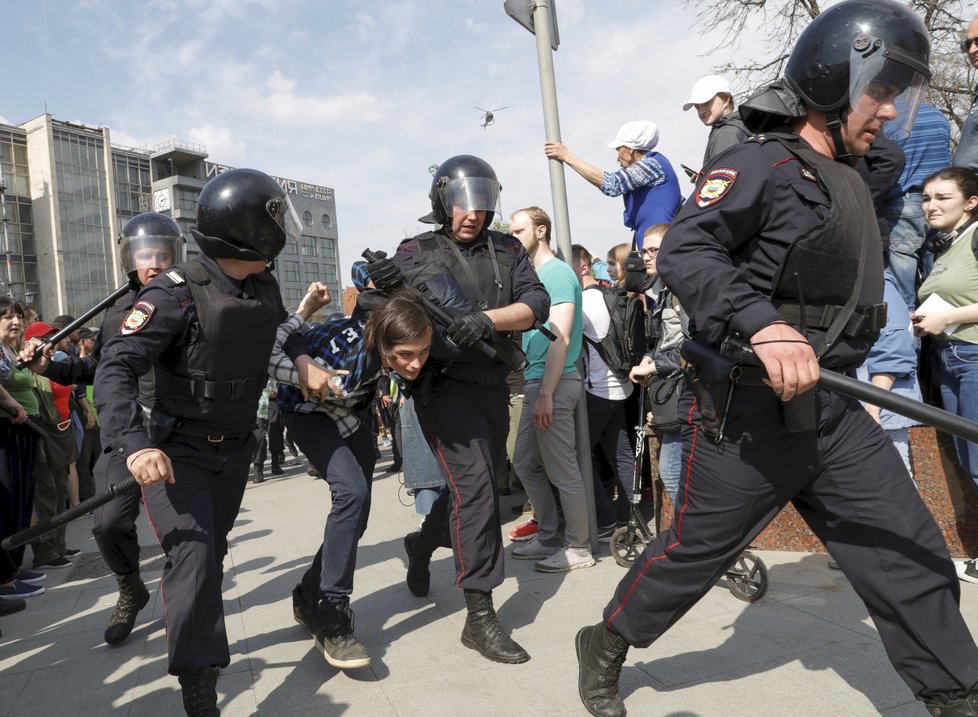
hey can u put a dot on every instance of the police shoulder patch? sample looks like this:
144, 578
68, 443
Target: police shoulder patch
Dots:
715, 186
138, 317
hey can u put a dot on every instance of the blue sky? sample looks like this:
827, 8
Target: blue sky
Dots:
364, 96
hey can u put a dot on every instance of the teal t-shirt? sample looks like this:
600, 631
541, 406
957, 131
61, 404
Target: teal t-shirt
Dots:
562, 285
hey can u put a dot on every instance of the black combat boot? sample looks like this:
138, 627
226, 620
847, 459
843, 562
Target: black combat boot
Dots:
304, 608
600, 654
335, 638
967, 706
419, 556
482, 631
133, 597
259, 474
200, 692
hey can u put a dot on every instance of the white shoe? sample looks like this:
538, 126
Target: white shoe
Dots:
533, 549
566, 559
968, 570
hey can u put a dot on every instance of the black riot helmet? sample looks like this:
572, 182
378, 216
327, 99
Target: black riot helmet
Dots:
466, 183
244, 214
149, 241
878, 48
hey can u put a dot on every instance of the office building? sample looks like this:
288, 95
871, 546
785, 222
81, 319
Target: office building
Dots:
68, 191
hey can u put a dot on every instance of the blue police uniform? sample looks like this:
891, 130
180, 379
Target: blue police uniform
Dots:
773, 227
462, 398
208, 338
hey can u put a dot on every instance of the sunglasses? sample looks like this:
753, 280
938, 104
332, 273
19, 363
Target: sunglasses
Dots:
967, 42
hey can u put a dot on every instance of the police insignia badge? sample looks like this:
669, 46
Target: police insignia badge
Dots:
717, 183
808, 174
138, 317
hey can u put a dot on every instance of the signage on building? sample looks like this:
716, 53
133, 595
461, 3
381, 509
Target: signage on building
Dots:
302, 189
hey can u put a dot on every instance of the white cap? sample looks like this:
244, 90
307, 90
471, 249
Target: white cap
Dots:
641, 135
705, 89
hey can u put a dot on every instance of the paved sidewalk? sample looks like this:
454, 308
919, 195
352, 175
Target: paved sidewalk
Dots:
807, 648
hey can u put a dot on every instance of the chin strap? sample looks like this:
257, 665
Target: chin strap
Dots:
842, 153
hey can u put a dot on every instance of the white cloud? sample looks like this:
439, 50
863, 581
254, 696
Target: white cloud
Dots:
221, 144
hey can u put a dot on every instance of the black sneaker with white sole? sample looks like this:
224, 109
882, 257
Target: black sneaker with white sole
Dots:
968, 570
335, 638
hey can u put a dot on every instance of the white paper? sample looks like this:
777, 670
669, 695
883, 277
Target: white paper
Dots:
936, 302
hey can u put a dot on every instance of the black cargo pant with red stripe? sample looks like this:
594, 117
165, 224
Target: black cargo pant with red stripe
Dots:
191, 519
466, 426
851, 487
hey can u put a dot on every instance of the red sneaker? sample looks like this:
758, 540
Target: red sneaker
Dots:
524, 531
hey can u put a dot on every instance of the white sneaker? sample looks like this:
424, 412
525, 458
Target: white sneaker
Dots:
533, 549
566, 559
968, 570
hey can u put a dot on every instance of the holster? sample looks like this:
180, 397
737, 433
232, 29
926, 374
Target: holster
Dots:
712, 378
161, 426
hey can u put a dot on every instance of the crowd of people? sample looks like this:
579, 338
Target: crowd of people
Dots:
479, 352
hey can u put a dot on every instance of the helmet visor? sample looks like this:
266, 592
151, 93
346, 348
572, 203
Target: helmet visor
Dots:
470, 194
285, 215
886, 85
149, 252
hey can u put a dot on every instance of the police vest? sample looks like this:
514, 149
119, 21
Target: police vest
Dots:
485, 279
214, 382
819, 272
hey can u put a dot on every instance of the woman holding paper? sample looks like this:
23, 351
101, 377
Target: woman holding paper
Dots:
949, 300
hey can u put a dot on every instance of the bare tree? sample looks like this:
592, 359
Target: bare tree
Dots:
781, 21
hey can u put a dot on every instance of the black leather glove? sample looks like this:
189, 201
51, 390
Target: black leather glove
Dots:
384, 274
469, 328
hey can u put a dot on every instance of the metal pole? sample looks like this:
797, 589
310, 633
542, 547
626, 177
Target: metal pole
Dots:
558, 189
3, 221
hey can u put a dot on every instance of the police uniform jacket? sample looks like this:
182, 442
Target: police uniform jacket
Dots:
165, 327
774, 223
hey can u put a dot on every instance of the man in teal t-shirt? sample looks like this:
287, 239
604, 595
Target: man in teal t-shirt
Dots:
545, 452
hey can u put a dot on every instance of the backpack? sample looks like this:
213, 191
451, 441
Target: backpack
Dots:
625, 343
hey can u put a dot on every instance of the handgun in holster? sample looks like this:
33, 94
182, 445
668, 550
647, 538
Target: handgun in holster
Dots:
712, 379
798, 415
161, 426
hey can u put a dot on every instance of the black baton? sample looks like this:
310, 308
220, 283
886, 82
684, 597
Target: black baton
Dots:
86, 506
78, 323
863, 391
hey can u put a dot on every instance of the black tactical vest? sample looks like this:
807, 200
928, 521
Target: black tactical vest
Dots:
479, 282
486, 283
215, 381
820, 268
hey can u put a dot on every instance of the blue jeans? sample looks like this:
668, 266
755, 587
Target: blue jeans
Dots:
957, 373
671, 461
907, 232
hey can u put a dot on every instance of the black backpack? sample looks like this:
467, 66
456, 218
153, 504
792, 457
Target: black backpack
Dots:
625, 343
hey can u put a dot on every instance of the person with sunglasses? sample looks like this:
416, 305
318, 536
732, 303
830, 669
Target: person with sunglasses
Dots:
966, 153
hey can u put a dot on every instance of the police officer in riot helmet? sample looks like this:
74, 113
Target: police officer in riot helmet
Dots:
206, 328
148, 245
779, 248
462, 397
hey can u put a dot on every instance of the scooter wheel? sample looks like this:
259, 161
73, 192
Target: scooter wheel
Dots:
747, 578
626, 545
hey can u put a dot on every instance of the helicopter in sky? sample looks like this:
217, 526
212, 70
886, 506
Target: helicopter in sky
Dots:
488, 116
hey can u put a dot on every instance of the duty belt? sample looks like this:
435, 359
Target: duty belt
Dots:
199, 386
865, 320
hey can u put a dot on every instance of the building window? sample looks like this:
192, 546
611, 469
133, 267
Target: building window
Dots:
308, 246
307, 218
327, 221
292, 271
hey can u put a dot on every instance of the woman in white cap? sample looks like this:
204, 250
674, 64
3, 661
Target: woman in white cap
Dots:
714, 104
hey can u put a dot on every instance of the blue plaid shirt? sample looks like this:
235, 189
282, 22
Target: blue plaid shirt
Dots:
336, 345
